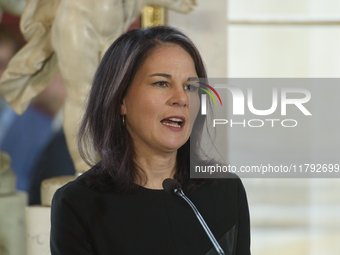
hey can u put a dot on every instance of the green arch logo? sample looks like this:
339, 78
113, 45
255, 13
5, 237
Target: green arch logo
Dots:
209, 93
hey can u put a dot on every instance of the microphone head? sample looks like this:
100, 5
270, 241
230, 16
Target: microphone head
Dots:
169, 185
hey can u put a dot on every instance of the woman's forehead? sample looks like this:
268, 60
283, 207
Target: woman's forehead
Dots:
171, 60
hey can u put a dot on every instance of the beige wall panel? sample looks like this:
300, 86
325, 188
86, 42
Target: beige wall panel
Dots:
325, 51
258, 8
206, 26
284, 51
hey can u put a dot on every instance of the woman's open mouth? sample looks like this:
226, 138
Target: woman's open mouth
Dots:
177, 122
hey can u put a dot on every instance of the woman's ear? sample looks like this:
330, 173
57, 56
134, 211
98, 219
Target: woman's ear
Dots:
123, 107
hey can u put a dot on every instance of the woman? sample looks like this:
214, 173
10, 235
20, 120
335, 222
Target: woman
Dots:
138, 121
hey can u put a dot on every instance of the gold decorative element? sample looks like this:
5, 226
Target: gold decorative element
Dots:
153, 16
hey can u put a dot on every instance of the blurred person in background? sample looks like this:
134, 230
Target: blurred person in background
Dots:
24, 137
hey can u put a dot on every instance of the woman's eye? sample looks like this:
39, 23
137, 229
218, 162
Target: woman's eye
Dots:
161, 83
190, 88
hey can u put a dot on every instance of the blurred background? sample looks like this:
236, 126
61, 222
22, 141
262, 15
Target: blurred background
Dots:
237, 39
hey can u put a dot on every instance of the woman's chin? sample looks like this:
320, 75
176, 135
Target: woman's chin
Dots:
174, 143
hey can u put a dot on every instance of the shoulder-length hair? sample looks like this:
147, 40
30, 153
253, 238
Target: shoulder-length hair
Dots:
102, 133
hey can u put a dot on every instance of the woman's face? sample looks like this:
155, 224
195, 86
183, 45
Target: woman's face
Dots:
157, 104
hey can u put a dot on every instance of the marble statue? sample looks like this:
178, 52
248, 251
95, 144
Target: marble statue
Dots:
69, 36
12, 210
7, 177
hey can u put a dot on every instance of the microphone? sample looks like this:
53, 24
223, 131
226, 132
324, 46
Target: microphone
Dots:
174, 188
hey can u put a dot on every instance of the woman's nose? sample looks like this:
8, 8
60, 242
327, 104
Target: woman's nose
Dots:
179, 97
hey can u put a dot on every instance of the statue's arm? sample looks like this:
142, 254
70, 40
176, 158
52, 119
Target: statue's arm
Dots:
183, 6
15, 7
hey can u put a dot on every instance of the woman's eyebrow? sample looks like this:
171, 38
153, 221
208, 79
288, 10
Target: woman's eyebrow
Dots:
169, 76
161, 74
193, 79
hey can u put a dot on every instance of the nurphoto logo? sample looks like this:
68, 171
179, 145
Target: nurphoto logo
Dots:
240, 101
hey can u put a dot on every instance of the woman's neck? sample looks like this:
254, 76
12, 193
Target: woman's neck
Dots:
155, 168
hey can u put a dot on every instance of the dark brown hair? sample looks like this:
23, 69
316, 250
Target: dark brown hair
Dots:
102, 132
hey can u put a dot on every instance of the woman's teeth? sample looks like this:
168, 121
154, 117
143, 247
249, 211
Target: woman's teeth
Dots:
175, 119
173, 122
172, 125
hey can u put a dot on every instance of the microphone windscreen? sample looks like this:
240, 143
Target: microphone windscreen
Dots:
170, 184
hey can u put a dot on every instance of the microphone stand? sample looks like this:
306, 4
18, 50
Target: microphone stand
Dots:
179, 192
